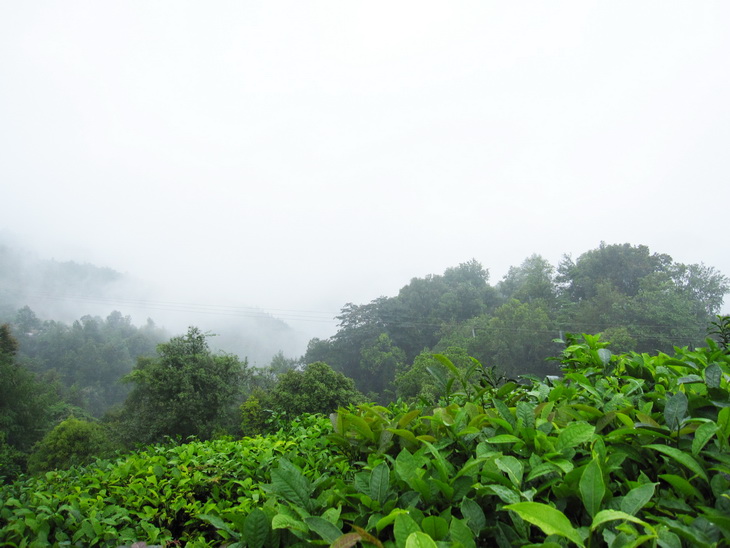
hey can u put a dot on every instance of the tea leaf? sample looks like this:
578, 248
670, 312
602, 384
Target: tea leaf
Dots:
256, 528
574, 434
379, 482
436, 527
675, 410
474, 515
611, 515
713, 376
420, 540
461, 534
288, 481
323, 528
682, 458
703, 435
512, 467
403, 527
592, 487
551, 520
637, 498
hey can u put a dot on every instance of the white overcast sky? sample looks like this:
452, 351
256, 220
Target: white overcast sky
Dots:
299, 155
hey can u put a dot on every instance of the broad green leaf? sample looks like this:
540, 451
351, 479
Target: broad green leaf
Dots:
504, 411
439, 461
460, 533
360, 425
380, 483
289, 482
390, 518
719, 518
408, 417
512, 467
474, 515
689, 379
323, 528
526, 412
681, 485
405, 434
256, 528
703, 435
446, 362
592, 487
723, 425
551, 520
282, 521
215, 521
611, 515
667, 539
713, 375
403, 527
436, 527
675, 410
681, 457
420, 540
408, 466
508, 496
542, 469
637, 498
574, 434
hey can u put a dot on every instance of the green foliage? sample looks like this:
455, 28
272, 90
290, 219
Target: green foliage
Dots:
167, 493
622, 450
185, 391
721, 330
314, 389
71, 442
255, 413
26, 407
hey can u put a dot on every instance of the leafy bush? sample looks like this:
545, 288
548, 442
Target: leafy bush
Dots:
71, 442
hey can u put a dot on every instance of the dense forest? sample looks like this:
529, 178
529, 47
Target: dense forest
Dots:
102, 388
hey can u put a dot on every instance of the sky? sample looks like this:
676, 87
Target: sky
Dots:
295, 156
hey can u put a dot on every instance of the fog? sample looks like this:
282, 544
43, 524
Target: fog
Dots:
279, 159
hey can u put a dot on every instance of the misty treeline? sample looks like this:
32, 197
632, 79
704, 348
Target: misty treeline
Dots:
640, 301
71, 392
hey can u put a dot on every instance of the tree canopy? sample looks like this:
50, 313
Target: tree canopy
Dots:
185, 390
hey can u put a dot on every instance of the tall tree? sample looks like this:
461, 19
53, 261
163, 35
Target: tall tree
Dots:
533, 279
623, 265
185, 390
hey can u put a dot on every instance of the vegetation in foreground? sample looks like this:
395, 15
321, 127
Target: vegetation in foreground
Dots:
622, 450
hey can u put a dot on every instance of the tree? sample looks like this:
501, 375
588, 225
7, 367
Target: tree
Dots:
380, 360
417, 382
533, 279
25, 407
517, 339
623, 265
315, 389
185, 390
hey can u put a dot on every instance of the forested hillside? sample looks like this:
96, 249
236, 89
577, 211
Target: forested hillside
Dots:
641, 301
